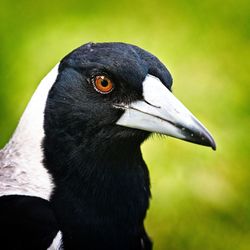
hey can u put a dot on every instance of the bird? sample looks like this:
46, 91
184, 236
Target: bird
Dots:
72, 176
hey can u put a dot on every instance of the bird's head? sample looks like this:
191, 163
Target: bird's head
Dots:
117, 92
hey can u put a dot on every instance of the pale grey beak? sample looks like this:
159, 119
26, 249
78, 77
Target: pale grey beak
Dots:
162, 112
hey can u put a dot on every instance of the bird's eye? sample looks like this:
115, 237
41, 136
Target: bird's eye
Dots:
103, 84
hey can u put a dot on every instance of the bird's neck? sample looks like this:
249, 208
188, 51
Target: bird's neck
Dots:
100, 200
29, 131
24, 148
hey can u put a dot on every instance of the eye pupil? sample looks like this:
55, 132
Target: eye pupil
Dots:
104, 83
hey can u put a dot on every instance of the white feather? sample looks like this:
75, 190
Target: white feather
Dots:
21, 168
57, 242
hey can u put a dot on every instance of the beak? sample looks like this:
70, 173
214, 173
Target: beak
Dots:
161, 112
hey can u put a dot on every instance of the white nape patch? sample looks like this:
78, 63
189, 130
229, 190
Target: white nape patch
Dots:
57, 242
158, 112
21, 168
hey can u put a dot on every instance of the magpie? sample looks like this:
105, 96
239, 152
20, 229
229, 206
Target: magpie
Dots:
72, 176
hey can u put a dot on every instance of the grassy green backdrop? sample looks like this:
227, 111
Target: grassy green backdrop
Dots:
201, 198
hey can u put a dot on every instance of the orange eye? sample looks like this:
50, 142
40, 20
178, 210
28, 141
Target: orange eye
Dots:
103, 84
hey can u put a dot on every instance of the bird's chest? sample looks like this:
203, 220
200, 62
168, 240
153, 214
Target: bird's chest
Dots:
113, 200
104, 213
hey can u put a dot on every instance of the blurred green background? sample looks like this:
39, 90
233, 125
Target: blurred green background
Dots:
201, 198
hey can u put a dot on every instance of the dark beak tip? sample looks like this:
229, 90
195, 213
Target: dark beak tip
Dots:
206, 140
213, 146
211, 143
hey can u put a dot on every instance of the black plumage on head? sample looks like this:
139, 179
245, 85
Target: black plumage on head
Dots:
102, 183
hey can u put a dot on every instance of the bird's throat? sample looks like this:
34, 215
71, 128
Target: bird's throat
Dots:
100, 200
